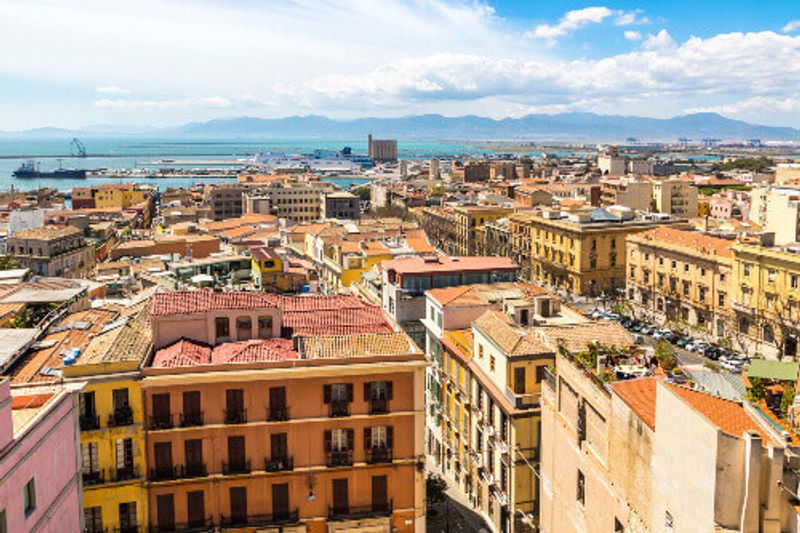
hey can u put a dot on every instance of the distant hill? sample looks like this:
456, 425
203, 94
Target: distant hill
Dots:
565, 126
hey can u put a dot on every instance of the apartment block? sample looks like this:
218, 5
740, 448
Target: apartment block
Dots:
681, 278
777, 210
311, 421
298, 201
225, 200
55, 251
454, 229
582, 252
629, 192
382, 150
676, 197
342, 205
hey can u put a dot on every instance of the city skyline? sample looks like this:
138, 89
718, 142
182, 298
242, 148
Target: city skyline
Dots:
166, 63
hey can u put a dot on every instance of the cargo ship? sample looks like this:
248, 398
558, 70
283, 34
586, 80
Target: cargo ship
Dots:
30, 170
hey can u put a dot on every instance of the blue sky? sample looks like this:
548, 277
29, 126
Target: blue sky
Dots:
164, 62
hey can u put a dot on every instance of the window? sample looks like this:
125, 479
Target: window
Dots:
29, 497
89, 462
480, 351
193, 457
124, 451
3, 521
120, 399
491, 363
165, 512
238, 496
223, 327
195, 508
747, 270
338, 393
244, 328
580, 495
264, 327
795, 281
92, 516
340, 499
771, 275
674, 264
378, 437
339, 440
380, 499
280, 501
686, 267
519, 380
127, 516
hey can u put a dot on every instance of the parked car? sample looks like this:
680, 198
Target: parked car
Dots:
671, 338
683, 341
597, 313
648, 330
731, 365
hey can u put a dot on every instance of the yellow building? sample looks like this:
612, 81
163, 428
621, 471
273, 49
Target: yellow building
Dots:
113, 196
681, 278
454, 230
347, 260
582, 252
766, 300
270, 272
113, 449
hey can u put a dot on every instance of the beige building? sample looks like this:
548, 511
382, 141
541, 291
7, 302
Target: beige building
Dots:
59, 251
675, 197
382, 150
582, 252
225, 200
630, 192
777, 210
648, 455
682, 278
300, 201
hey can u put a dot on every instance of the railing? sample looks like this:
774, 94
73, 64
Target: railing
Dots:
123, 416
191, 527
93, 478
378, 407
160, 421
190, 470
364, 511
253, 520
282, 464
191, 419
340, 458
89, 422
238, 467
162, 473
278, 414
379, 455
339, 408
124, 473
236, 417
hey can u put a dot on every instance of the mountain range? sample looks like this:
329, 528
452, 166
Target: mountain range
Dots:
589, 127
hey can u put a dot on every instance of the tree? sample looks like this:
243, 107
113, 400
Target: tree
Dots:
665, 356
756, 391
787, 399
435, 489
9, 263
363, 192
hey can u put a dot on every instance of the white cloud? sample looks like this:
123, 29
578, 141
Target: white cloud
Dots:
661, 40
111, 89
209, 102
633, 35
752, 107
791, 26
629, 18
571, 21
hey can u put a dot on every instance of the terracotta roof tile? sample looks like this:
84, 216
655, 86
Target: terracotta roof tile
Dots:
693, 242
577, 337
360, 345
512, 340
187, 353
331, 315
640, 396
730, 417
200, 301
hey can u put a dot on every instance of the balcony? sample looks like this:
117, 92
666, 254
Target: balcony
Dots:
191, 419
195, 527
236, 417
190, 470
163, 473
339, 408
263, 520
281, 464
89, 422
163, 421
122, 416
93, 478
340, 458
359, 512
124, 473
378, 407
278, 414
379, 455
236, 467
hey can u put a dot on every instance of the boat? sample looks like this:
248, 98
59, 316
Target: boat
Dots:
30, 170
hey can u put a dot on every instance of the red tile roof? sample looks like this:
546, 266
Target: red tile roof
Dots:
185, 353
640, 396
331, 315
419, 265
200, 301
730, 417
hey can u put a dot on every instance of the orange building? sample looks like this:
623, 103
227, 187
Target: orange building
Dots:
318, 429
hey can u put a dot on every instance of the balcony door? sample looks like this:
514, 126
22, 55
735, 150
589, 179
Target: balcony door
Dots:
165, 507
380, 498
340, 501
280, 501
195, 508
238, 505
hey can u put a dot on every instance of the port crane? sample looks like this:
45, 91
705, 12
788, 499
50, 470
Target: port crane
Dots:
77, 147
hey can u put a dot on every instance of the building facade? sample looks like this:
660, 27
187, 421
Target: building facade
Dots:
55, 251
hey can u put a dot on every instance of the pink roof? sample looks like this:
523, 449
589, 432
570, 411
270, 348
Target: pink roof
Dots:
200, 301
420, 265
189, 353
331, 315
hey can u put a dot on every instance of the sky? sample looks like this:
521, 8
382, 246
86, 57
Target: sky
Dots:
168, 62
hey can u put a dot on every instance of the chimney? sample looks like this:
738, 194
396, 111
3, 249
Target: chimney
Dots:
6, 423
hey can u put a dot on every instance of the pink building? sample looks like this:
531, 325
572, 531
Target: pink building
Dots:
40, 487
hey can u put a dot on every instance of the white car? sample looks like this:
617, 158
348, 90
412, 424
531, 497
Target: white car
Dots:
732, 366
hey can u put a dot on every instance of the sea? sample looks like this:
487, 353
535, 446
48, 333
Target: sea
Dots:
109, 154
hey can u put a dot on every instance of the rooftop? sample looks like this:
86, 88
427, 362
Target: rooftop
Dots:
359, 345
773, 370
201, 301
185, 353
432, 265
511, 339
577, 337
126, 339
640, 396
692, 242
331, 315
484, 293
46, 233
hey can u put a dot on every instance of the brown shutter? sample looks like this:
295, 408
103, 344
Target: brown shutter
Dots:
367, 391
328, 439
349, 392
238, 503
280, 501
161, 405
277, 397
163, 453
379, 493
340, 500
193, 452
195, 508
367, 438
326, 393
191, 402
236, 450
389, 436
351, 439
165, 505
388, 390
